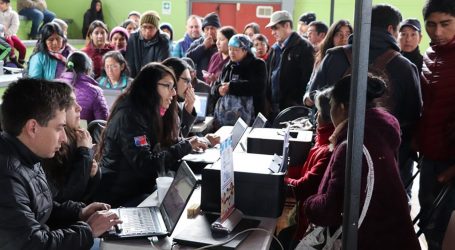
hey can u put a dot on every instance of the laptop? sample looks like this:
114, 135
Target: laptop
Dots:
111, 95
211, 155
157, 221
200, 105
280, 164
259, 122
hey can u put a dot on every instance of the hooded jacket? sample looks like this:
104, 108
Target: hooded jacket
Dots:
30, 218
387, 224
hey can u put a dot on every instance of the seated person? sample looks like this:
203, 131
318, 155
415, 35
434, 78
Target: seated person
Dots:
119, 37
35, 10
306, 179
72, 174
141, 140
34, 130
97, 45
115, 73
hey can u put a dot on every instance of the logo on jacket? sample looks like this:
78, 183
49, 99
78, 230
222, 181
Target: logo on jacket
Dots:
140, 141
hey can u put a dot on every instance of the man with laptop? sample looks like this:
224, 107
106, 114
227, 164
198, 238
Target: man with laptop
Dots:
34, 129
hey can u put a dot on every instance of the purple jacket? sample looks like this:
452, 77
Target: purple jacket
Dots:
387, 224
89, 96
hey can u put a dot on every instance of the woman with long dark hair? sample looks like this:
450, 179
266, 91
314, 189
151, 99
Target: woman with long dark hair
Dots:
97, 45
88, 94
141, 140
48, 60
94, 13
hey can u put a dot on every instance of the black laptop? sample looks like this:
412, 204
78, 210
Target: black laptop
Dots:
157, 221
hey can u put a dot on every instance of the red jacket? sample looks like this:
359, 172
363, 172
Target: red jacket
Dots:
306, 179
387, 224
97, 57
438, 91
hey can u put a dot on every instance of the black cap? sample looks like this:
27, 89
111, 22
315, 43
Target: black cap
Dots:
211, 19
411, 22
307, 18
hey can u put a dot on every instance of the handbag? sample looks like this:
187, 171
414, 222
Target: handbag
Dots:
318, 237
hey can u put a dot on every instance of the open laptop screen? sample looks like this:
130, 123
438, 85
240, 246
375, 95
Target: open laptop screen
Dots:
200, 105
237, 132
176, 198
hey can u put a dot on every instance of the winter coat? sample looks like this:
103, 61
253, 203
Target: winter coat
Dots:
130, 161
44, 66
200, 55
10, 21
30, 218
89, 96
97, 57
139, 52
33, 4
182, 45
387, 224
438, 89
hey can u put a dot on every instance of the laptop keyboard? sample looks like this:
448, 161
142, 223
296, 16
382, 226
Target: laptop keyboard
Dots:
140, 221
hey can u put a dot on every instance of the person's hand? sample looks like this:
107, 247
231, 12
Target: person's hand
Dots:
94, 168
101, 221
307, 100
89, 210
213, 139
224, 89
208, 42
83, 138
447, 175
197, 144
190, 98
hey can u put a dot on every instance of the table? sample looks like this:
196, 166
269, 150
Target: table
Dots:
5, 80
203, 127
256, 240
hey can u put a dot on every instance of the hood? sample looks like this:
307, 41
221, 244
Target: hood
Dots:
380, 41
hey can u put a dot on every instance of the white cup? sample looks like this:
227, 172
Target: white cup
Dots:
162, 184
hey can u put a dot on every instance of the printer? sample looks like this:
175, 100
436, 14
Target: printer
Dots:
258, 191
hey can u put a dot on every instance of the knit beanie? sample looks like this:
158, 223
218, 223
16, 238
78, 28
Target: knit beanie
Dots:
211, 19
120, 30
150, 17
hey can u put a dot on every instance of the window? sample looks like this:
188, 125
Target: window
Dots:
264, 11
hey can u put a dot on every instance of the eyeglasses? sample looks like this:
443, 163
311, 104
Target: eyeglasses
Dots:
169, 86
148, 27
186, 80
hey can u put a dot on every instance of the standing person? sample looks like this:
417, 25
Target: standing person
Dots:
119, 37
97, 45
94, 13
316, 33
115, 73
33, 127
261, 45
48, 60
193, 32
147, 45
289, 66
304, 20
35, 10
409, 37
251, 29
166, 28
198, 85
141, 139
88, 94
10, 21
436, 138
387, 217
72, 174
240, 90
202, 49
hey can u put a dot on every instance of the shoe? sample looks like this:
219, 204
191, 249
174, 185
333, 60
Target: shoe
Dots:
18, 64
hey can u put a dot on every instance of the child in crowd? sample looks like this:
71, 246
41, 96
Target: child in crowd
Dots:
9, 19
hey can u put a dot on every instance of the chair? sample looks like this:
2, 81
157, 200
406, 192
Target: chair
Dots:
95, 128
290, 114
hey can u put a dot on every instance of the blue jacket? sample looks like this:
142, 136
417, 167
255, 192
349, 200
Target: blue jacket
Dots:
42, 66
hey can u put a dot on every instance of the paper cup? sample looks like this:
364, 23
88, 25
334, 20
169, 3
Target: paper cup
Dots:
162, 184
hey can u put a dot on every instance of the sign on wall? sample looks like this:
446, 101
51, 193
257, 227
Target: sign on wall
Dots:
166, 8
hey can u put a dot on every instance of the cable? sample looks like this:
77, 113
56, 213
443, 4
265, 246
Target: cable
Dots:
240, 233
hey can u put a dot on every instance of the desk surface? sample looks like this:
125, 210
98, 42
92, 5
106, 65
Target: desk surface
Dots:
256, 240
5, 80
202, 126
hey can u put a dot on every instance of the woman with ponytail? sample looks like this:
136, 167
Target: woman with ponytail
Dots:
89, 96
48, 60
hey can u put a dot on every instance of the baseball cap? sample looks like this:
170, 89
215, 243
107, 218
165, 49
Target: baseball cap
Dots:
411, 22
279, 16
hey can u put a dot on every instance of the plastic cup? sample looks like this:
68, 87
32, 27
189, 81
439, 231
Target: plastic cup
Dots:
162, 184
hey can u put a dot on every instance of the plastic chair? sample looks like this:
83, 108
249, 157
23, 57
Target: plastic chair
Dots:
95, 128
290, 114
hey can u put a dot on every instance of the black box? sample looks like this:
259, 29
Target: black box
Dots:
270, 141
258, 192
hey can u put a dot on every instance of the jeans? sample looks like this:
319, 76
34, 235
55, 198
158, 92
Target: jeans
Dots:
434, 225
37, 16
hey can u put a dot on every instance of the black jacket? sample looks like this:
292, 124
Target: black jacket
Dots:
30, 219
129, 161
140, 52
200, 55
297, 62
246, 78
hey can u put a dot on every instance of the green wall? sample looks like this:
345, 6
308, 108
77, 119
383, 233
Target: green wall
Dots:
115, 12
344, 9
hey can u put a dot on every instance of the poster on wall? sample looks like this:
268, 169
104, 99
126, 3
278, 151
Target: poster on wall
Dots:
227, 179
166, 8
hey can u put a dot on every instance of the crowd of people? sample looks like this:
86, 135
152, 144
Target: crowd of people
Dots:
51, 170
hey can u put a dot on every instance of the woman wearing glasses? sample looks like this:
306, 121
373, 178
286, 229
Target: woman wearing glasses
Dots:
115, 73
141, 139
